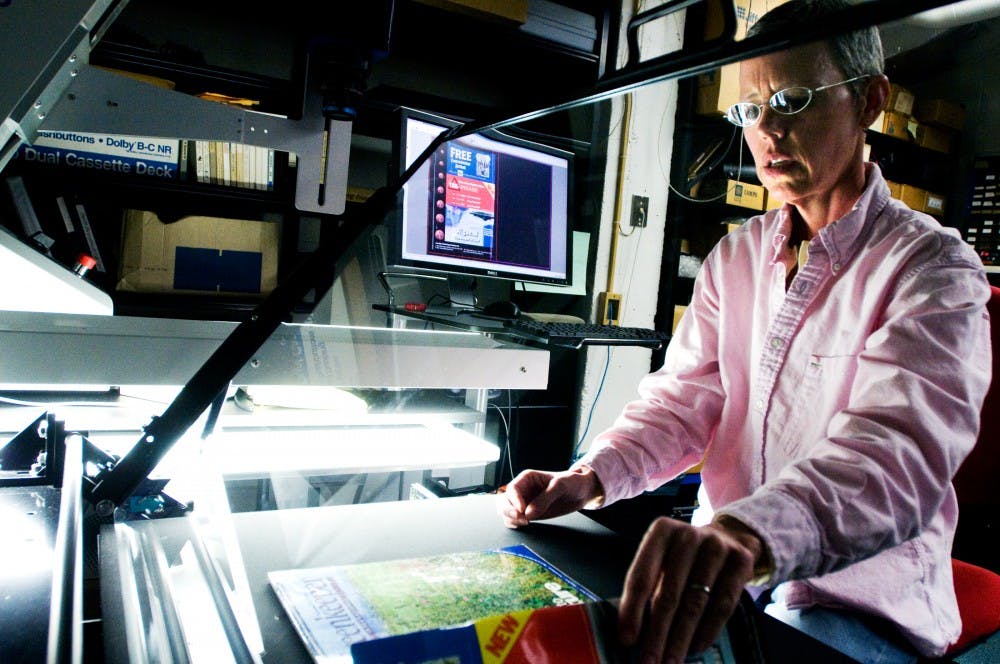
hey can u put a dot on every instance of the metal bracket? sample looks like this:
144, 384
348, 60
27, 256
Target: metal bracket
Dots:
59, 39
102, 101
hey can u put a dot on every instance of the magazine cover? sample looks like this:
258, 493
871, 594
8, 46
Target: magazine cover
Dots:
577, 634
551, 635
334, 607
463, 206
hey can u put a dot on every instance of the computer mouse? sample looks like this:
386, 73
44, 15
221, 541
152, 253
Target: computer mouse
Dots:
502, 309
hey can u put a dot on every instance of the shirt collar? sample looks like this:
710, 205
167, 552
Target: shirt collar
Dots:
841, 238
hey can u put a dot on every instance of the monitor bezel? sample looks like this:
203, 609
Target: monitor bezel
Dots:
394, 238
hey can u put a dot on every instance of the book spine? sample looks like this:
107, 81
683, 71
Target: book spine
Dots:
247, 173
213, 162
262, 168
226, 158
182, 162
270, 170
237, 157
200, 160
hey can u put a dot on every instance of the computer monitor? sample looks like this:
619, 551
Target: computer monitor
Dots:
486, 205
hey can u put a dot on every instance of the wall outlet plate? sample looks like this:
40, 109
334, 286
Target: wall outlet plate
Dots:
640, 211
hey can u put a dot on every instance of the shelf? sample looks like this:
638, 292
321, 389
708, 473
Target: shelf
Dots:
908, 163
105, 197
136, 190
48, 349
274, 95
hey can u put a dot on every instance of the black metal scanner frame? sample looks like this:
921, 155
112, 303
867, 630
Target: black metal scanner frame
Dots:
112, 486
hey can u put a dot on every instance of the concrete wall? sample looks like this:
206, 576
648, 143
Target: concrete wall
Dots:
638, 256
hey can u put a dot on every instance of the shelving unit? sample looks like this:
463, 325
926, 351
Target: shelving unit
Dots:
226, 50
199, 49
106, 197
702, 224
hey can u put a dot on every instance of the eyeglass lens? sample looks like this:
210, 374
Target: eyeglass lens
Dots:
790, 100
787, 102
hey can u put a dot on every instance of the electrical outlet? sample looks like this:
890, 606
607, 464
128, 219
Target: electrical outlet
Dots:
640, 210
609, 308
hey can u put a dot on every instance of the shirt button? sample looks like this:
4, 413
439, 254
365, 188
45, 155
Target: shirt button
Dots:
836, 266
760, 404
776, 342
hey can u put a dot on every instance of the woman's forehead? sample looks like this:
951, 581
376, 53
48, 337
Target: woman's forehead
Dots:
808, 65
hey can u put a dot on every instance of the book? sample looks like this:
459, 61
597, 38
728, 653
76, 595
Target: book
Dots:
334, 607
139, 155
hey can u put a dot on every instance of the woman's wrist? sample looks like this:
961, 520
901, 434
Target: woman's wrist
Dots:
596, 489
763, 562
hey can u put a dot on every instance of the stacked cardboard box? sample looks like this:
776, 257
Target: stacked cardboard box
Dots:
932, 123
205, 255
720, 89
917, 198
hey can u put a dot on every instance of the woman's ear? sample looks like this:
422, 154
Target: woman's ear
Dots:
874, 99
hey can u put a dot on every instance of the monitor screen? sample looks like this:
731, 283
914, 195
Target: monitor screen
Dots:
485, 204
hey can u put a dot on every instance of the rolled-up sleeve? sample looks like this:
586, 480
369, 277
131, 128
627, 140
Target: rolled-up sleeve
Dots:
666, 430
884, 467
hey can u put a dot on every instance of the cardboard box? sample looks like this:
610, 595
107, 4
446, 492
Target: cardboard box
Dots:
679, 310
933, 138
747, 13
900, 100
895, 189
198, 255
745, 195
772, 203
896, 124
514, 11
933, 203
940, 113
914, 197
719, 90
892, 124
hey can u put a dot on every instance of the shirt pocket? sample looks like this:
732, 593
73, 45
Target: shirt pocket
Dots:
823, 391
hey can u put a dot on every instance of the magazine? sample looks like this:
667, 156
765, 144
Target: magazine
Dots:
578, 633
337, 606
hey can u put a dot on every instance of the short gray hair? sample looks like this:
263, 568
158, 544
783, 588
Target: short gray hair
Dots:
854, 53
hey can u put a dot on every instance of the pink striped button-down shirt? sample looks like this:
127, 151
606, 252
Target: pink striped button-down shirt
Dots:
831, 414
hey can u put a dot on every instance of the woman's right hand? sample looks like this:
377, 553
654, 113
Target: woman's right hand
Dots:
535, 494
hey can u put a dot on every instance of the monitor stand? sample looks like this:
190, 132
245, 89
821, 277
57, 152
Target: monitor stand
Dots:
461, 297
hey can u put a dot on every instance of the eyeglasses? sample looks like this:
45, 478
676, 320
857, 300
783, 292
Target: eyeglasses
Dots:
787, 102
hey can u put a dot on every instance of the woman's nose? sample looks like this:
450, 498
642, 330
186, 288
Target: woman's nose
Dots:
771, 122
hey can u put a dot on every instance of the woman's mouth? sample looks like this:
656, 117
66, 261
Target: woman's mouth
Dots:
776, 167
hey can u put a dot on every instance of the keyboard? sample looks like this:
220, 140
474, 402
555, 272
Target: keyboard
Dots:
575, 335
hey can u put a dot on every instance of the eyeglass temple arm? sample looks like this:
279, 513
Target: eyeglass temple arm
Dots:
850, 80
